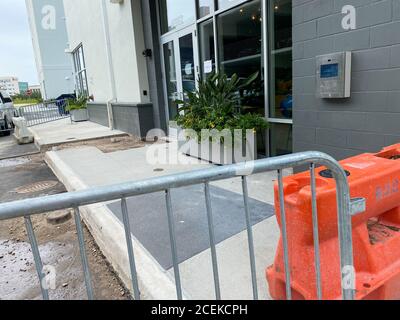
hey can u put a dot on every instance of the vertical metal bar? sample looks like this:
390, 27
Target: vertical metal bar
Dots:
316, 232
216, 49
38, 115
172, 236
284, 236
131, 254
85, 263
266, 65
50, 112
250, 237
36, 256
47, 114
345, 236
212, 241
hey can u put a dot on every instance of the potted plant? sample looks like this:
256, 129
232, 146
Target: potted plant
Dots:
215, 122
78, 109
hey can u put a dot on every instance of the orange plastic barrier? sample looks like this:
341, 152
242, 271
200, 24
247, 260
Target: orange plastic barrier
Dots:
376, 233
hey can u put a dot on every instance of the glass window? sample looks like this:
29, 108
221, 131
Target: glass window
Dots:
187, 63
175, 13
240, 38
80, 72
240, 48
240, 32
280, 139
171, 80
207, 48
205, 7
223, 4
281, 72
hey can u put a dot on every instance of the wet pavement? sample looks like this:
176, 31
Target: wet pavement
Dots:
10, 149
30, 177
19, 279
26, 171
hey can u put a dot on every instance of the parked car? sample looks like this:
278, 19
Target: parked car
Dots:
7, 112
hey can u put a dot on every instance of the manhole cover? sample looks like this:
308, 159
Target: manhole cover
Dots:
36, 187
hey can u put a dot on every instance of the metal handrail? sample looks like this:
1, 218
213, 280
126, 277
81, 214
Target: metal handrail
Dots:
26, 208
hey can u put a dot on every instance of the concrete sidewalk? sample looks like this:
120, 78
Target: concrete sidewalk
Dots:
64, 131
88, 167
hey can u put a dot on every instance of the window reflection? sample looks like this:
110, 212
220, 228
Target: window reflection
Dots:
281, 72
175, 13
223, 4
240, 32
187, 63
240, 37
207, 48
240, 48
205, 7
171, 80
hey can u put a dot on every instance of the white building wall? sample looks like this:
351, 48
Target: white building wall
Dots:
85, 26
50, 40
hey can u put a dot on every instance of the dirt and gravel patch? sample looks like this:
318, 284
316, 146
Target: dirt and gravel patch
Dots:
58, 243
59, 249
107, 145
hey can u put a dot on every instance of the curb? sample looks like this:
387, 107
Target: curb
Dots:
155, 283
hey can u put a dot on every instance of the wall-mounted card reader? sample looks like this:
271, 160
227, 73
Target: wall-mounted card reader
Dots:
334, 75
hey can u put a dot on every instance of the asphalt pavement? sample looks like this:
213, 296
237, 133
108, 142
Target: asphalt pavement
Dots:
9, 148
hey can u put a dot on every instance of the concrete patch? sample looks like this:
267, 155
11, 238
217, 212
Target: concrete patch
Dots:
63, 131
150, 226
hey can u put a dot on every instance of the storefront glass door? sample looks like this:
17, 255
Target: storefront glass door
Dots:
181, 67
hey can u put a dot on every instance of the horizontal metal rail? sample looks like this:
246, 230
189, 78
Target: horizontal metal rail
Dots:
164, 184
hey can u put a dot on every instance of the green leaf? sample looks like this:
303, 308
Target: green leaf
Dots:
249, 80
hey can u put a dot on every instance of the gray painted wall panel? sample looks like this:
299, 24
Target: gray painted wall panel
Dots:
370, 119
132, 118
98, 113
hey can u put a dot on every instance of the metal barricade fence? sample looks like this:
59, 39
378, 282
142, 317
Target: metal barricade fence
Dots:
27, 208
44, 112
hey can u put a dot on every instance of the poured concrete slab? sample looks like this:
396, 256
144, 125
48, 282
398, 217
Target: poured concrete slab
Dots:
149, 222
233, 266
88, 167
64, 131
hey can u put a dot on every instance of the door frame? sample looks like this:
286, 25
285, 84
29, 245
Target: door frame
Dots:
174, 37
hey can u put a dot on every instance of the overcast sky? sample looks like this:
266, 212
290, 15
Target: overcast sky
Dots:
16, 53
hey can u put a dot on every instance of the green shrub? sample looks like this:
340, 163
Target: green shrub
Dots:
216, 104
78, 104
18, 101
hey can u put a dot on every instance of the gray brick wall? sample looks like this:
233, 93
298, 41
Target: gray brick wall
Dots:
370, 119
136, 119
98, 113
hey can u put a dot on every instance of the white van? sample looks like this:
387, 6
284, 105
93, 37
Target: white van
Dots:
7, 112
